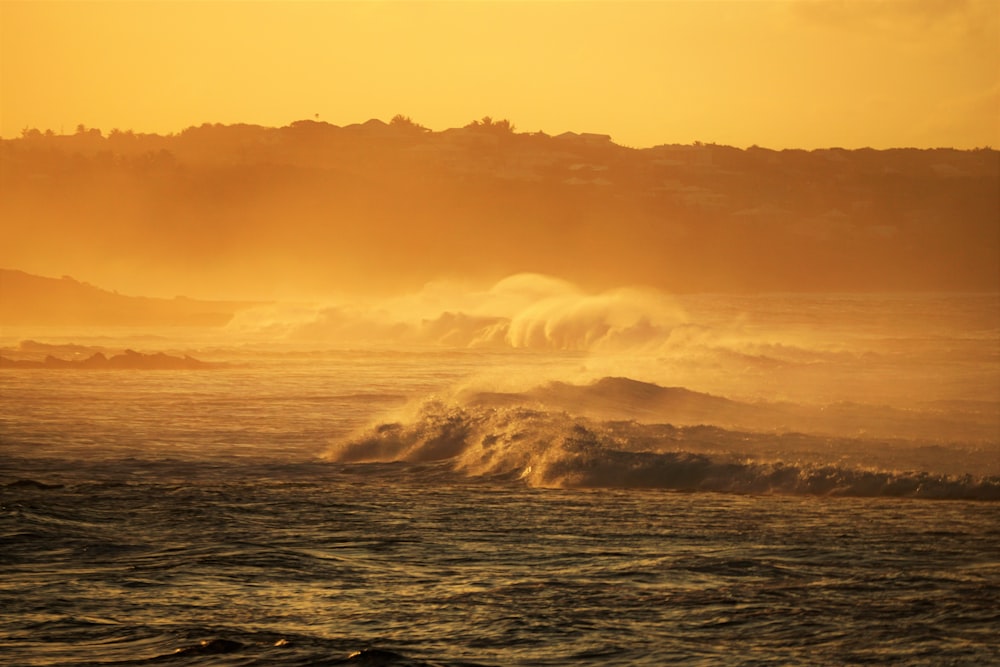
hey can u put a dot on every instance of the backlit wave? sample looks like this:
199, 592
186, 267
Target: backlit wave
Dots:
556, 450
522, 311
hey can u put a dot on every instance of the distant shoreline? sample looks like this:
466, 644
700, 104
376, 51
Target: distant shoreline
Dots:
128, 360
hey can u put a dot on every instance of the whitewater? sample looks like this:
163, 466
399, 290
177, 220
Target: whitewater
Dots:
531, 475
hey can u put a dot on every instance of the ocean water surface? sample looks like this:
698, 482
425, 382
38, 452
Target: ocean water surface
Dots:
788, 481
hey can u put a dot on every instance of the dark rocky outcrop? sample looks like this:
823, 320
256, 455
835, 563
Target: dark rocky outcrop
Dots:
128, 360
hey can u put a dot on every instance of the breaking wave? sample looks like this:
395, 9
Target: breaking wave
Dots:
874, 349
523, 311
557, 450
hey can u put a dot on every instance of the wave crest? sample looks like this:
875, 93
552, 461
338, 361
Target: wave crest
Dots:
525, 310
556, 450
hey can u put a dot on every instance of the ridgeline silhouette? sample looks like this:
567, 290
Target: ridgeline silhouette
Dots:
26, 299
385, 206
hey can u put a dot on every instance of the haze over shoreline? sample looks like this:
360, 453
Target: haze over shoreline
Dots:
690, 349
312, 209
32, 129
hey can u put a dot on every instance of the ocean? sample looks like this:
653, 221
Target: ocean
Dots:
775, 480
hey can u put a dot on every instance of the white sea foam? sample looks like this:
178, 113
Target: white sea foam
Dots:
555, 449
818, 349
522, 311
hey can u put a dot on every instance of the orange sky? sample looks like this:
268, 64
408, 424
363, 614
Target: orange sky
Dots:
780, 73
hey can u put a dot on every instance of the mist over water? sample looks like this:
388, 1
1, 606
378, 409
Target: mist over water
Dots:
898, 349
866, 382
523, 311
381, 394
531, 473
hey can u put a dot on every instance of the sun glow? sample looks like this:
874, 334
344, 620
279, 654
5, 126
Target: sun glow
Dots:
777, 74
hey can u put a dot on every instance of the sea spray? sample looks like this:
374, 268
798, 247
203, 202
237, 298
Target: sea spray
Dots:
557, 450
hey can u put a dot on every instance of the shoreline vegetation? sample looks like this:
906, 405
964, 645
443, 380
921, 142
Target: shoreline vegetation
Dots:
382, 207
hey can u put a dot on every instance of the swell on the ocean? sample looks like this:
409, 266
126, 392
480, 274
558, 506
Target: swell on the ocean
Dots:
523, 311
553, 448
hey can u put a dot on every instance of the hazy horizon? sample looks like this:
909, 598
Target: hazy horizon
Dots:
230, 152
316, 211
511, 332
777, 73
72, 128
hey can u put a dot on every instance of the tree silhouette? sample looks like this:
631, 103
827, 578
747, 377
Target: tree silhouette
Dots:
405, 122
502, 126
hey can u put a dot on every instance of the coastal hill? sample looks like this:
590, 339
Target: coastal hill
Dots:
381, 206
38, 301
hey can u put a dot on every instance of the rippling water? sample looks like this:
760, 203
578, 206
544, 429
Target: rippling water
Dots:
308, 563
380, 508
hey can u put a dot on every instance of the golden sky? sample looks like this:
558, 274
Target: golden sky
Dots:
777, 73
